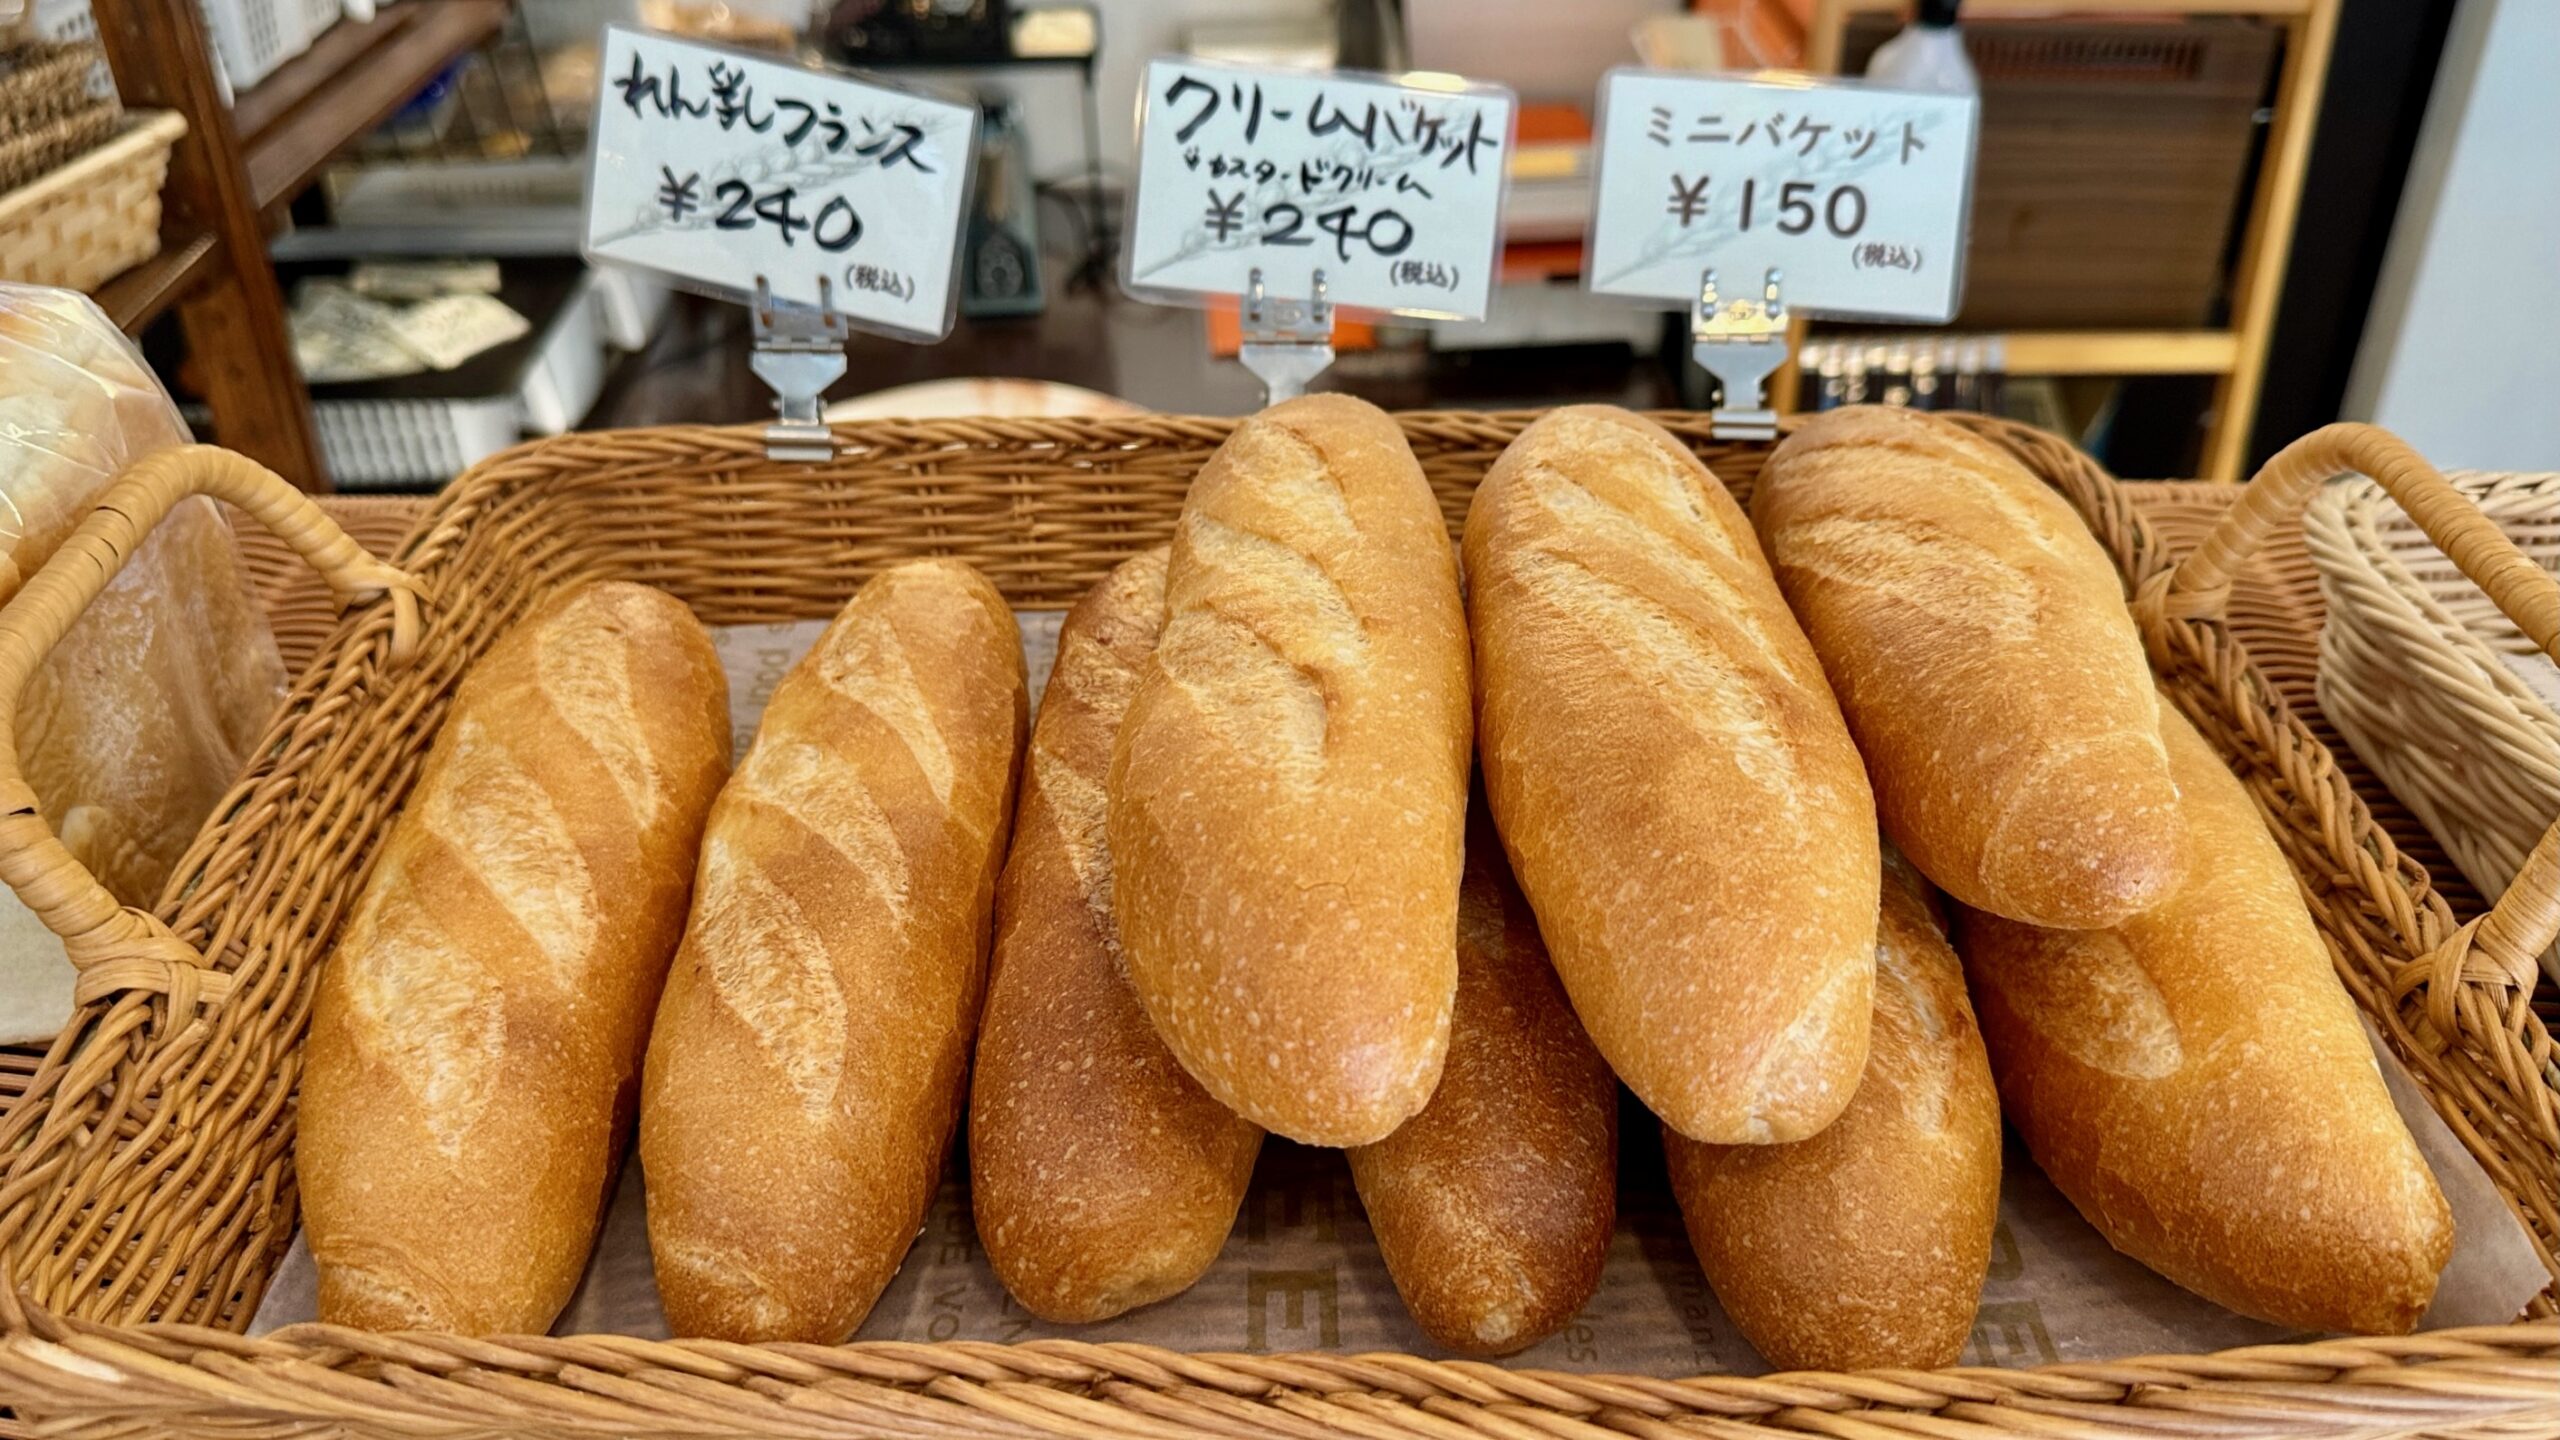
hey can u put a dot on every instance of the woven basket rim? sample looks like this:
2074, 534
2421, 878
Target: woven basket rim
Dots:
144, 131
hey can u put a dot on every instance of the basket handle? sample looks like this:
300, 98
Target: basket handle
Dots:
114, 946
2497, 948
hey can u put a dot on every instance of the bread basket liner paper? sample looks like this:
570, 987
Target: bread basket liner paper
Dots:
1301, 1270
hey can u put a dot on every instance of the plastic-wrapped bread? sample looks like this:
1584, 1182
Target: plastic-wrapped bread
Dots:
140, 719
475, 1045
1672, 780
1978, 640
1865, 1247
1288, 799
809, 1061
2197, 1082
1493, 1207
1103, 1176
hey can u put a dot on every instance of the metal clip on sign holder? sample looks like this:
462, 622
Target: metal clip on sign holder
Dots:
1286, 342
1741, 343
799, 352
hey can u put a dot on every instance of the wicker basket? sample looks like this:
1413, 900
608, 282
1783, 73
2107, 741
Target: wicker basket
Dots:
2414, 669
48, 113
146, 1183
95, 218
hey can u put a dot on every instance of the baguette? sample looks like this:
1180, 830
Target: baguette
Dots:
1288, 794
1493, 1207
1978, 639
1103, 1176
1672, 779
2196, 1081
808, 1063
1865, 1247
476, 1039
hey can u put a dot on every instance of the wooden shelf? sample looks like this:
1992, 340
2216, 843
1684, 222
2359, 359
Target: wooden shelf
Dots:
138, 296
353, 78
2120, 352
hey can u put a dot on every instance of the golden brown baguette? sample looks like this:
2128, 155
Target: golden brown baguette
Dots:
1103, 1176
476, 1040
2197, 1082
1493, 1207
1978, 639
1672, 780
1288, 798
1865, 1247
807, 1065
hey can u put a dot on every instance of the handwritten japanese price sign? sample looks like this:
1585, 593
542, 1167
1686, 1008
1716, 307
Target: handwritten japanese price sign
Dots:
1859, 195
721, 168
1391, 186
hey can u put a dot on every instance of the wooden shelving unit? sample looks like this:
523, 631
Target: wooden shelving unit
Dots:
232, 175
2236, 357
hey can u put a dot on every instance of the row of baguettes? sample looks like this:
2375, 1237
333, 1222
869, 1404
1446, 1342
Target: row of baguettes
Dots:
1241, 897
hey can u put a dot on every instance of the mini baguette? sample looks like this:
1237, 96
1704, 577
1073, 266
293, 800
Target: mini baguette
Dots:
2196, 1081
808, 1062
475, 1044
1978, 639
1103, 1176
1493, 1207
1288, 795
1672, 779
1865, 1247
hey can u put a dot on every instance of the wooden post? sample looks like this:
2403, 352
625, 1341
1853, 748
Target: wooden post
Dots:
235, 320
2268, 242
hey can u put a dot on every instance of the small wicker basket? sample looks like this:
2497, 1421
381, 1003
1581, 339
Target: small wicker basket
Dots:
48, 113
146, 1177
2428, 681
88, 221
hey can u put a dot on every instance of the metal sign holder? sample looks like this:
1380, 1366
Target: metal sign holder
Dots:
1741, 342
799, 352
1286, 342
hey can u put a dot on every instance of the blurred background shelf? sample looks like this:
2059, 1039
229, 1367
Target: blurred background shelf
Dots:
243, 160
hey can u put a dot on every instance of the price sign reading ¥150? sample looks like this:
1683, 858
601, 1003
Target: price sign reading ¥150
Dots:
720, 168
1860, 196
1390, 186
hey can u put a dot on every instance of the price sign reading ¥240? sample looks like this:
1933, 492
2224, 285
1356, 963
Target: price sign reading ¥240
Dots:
1859, 195
723, 168
1391, 186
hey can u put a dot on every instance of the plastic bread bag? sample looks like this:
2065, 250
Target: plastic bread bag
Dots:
135, 726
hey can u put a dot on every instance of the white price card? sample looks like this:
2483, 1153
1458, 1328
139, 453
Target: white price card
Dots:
1390, 185
721, 168
1860, 196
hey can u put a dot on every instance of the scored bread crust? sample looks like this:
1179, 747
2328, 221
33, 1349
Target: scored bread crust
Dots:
1102, 1175
1673, 782
1288, 794
1978, 639
476, 1040
2197, 1082
809, 1060
1494, 1206
1865, 1247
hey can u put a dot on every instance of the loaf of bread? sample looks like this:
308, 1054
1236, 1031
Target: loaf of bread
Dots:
808, 1063
2196, 1081
1978, 640
1493, 1207
1865, 1247
1674, 784
475, 1044
139, 720
1288, 798
1103, 1176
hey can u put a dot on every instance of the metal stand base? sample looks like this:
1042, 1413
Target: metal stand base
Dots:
799, 352
1741, 343
1286, 342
